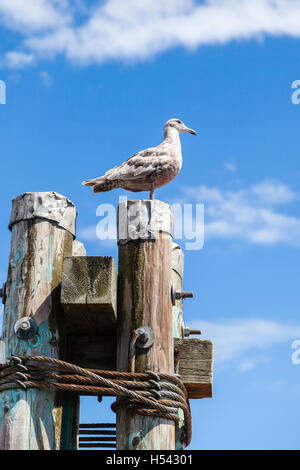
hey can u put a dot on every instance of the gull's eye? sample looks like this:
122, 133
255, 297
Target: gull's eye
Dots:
178, 120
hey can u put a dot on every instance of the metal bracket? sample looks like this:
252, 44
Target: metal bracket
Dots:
145, 337
25, 328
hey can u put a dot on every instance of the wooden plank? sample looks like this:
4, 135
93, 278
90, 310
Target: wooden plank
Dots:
36, 419
195, 366
89, 294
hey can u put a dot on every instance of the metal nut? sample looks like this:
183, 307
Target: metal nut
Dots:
145, 337
25, 328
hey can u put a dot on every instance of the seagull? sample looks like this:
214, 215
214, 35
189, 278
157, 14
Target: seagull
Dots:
148, 169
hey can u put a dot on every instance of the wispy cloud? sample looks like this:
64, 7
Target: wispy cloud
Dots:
249, 214
94, 233
247, 342
46, 78
17, 60
135, 30
231, 167
34, 15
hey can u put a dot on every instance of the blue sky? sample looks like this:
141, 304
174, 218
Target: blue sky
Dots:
90, 83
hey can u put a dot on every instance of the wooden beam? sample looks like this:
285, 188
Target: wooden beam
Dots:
195, 366
93, 352
195, 360
42, 226
89, 295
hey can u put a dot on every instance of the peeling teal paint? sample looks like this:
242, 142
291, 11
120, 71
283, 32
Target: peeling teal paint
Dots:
40, 428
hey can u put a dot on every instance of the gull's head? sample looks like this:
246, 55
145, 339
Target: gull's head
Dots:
179, 126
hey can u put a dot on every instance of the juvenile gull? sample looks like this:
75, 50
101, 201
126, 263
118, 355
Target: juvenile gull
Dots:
148, 169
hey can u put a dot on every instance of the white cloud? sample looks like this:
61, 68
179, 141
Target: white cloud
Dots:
247, 342
34, 15
273, 193
134, 30
248, 214
17, 60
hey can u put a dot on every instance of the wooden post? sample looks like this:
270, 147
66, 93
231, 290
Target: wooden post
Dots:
144, 299
43, 228
178, 324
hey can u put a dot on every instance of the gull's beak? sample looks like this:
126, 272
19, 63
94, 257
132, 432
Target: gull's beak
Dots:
190, 131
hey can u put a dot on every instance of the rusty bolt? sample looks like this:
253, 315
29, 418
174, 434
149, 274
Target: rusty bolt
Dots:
135, 439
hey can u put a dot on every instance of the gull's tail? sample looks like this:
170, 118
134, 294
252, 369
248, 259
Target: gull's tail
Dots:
100, 185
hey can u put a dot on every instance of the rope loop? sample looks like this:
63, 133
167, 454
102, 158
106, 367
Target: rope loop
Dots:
150, 394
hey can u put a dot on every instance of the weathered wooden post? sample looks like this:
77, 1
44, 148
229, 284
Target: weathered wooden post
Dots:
43, 229
144, 300
178, 325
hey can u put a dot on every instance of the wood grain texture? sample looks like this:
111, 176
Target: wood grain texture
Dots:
145, 277
178, 323
196, 366
32, 419
89, 294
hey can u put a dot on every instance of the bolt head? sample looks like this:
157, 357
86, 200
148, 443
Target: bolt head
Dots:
25, 325
25, 328
142, 334
136, 440
186, 331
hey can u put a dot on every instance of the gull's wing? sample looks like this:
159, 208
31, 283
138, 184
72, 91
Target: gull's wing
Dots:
141, 164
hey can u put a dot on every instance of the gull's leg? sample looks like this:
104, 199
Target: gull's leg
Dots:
152, 192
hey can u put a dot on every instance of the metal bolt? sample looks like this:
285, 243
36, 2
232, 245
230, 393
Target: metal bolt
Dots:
187, 331
25, 325
195, 332
142, 335
183, 295
178, 295
136, 439
25, 328
145, 337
